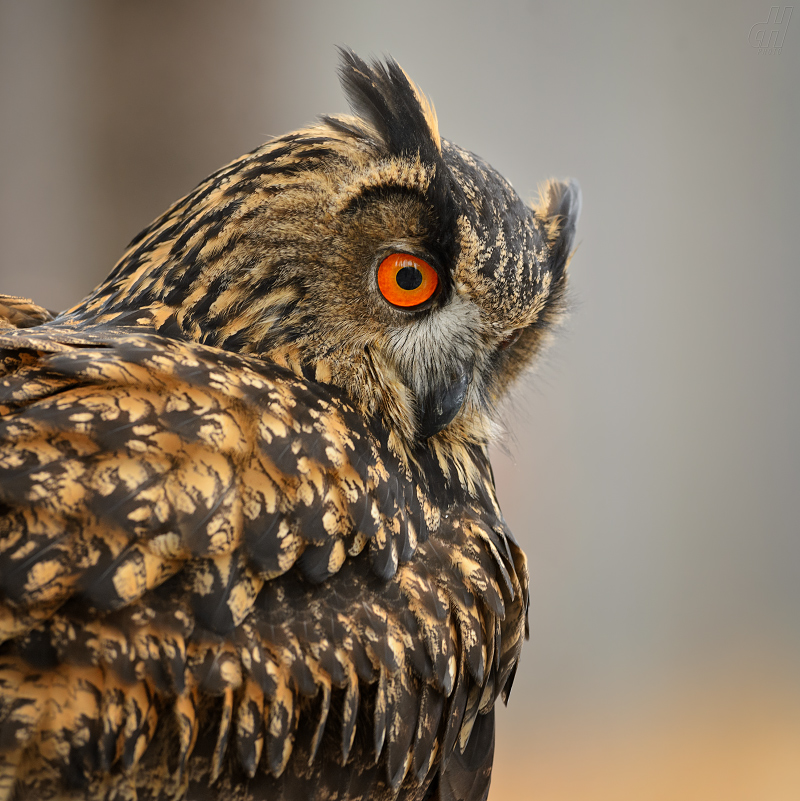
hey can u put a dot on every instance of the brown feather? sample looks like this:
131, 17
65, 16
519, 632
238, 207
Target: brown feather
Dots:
234, 563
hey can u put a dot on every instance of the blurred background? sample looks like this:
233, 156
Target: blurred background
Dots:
653, 469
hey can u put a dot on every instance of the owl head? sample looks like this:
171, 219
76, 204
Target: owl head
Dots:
367, 252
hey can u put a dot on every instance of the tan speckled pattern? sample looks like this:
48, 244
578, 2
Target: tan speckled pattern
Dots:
230, 568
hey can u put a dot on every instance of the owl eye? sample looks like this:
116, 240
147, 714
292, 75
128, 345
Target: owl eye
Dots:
406, 281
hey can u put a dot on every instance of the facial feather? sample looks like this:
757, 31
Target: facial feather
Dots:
276, 256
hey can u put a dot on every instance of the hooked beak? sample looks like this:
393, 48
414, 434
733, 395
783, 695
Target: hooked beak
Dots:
442, 403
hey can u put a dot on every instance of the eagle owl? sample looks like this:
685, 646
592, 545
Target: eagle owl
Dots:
250, 546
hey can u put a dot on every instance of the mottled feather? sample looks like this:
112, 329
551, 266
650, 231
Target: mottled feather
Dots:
233, 562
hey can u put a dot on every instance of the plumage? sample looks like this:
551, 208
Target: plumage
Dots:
250, 545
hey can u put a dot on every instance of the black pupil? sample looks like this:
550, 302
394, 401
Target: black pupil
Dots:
409, 278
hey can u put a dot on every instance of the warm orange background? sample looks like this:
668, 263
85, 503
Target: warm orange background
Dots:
654, 459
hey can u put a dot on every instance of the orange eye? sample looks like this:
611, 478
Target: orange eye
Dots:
406, 281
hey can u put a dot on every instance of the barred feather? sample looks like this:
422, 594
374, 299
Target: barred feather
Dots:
233, 561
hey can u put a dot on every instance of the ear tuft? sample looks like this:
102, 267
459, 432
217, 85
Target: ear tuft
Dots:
559, 208
388, 100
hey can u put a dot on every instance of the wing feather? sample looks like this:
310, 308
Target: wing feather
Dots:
201, 545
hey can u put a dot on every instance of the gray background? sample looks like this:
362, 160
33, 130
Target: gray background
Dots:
652, 470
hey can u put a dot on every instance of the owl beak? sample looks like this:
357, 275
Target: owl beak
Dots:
442, 403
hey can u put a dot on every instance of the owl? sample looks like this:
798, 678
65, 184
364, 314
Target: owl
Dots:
250, 544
